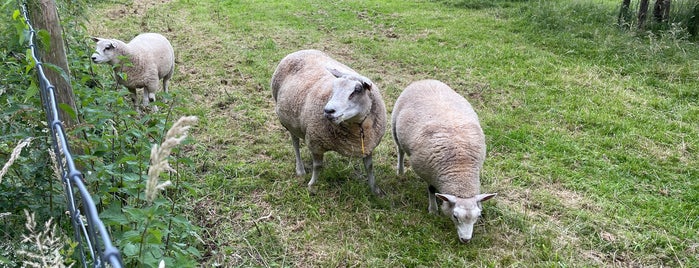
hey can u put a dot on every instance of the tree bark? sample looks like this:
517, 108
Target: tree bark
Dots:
624, 15
661, 10
693, 26
44, 16
642, 14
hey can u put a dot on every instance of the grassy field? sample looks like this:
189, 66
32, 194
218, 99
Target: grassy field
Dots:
592, 132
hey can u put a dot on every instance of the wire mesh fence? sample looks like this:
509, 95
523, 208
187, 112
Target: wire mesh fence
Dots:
94, 244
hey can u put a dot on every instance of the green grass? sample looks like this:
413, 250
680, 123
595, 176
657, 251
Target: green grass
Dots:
592, 132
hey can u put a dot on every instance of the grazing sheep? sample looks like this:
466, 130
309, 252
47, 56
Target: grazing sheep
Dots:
149, 58
331, 107
440, 132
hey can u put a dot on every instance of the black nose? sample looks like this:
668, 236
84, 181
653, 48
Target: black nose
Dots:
464, 240
329, 111
94, 58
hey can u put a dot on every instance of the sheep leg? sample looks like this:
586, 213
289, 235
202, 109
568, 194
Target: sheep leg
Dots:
369, 166
317, 167
432, 199
165, 83
401, 154
300, 171
133, 99
166, 79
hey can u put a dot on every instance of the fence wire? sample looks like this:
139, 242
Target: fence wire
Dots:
90, 233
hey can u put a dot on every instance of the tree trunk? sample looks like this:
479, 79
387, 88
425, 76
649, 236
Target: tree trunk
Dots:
624, 15
642, 14
693, 27
661, 10
44, 16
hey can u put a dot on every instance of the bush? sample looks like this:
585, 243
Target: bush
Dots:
116, 142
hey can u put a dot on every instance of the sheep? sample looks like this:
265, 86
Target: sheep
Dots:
331, 107
149, 57
439, 130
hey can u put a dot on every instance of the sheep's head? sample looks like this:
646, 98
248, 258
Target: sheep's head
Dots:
105, 51
350, 100
464, 212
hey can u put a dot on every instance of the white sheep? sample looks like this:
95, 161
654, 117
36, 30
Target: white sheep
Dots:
331, 107
147, 58
440, 132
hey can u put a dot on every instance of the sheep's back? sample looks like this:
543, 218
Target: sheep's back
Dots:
440, 132
152, 48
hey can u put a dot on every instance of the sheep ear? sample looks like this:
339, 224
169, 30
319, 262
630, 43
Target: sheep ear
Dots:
446, 198
366, 83
485, 197
336, 72
96, 39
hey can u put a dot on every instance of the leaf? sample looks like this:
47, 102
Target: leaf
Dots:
57, 69
29, 57
113, 215
129, 250
153, 256
44, 38
194, 251
15, 14
69, 110
133, 236
31, 92
157, 236
135, 214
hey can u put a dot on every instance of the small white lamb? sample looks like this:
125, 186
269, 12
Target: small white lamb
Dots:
440, 132
331, 107
147, 58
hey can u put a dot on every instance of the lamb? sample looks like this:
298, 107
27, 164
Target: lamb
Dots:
149, 58
331, 107
440, 132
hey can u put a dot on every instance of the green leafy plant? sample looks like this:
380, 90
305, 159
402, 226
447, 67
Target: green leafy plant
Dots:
116, 142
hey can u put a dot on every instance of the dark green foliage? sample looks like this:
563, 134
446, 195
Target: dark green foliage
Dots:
28, 183
116, 142
682, 18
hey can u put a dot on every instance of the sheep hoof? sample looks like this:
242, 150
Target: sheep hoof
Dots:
311, 190
378, 192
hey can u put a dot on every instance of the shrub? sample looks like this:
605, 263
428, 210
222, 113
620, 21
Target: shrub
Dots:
116, 142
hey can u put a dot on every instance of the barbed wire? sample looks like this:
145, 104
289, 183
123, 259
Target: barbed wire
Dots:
90, 232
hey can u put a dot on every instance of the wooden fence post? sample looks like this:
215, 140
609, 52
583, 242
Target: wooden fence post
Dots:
43, 14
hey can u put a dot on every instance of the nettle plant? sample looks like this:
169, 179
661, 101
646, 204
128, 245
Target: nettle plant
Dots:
123, 171
118, 156
27, 184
